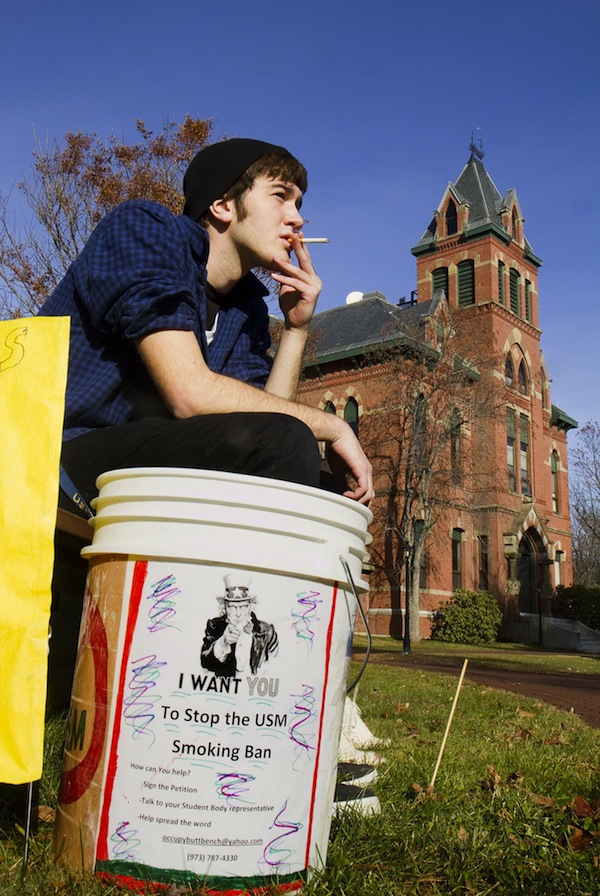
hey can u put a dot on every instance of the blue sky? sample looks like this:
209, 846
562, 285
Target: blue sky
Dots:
377, 99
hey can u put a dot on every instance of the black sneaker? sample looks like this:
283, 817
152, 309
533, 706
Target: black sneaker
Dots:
348, 797
355, 773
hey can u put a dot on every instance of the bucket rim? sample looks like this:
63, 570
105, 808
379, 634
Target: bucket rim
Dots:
242, 478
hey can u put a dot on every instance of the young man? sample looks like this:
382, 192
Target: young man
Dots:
169, 361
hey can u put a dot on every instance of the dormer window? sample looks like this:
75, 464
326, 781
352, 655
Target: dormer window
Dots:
451, 218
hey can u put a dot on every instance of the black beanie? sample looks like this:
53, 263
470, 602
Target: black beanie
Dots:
216, 168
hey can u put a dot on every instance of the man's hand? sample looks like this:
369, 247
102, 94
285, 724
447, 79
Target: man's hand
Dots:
300, 286
231, 635
346, 456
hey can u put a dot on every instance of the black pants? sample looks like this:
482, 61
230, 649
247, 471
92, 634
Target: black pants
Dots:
259, 444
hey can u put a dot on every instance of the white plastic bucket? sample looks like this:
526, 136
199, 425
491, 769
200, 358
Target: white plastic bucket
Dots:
188, 759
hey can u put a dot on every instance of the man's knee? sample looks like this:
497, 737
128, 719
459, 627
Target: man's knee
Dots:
284, 446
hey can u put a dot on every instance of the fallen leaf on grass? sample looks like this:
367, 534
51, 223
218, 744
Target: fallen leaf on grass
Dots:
539, 799
425, 793
584, 827
525, 715
583, 809
515, 778
45, 813
412, 730
557, 740
522, 734
492, 782
578, 839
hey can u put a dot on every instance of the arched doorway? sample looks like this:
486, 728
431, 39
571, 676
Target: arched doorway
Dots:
530, 571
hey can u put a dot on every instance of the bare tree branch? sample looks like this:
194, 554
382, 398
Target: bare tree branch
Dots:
71, 187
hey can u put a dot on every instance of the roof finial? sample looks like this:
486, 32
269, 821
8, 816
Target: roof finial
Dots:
476, 144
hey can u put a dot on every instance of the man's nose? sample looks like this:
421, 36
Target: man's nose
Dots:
295, 218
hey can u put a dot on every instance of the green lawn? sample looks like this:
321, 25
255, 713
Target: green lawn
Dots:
514, 811
498, 656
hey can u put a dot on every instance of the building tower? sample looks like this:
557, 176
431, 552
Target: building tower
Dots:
475, 250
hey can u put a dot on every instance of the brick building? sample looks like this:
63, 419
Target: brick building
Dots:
506, 527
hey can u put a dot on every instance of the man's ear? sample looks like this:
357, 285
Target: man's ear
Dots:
222, 210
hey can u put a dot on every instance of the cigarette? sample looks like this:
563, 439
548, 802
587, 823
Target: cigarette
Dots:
314, 239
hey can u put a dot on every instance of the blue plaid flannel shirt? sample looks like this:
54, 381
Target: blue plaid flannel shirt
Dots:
143, 270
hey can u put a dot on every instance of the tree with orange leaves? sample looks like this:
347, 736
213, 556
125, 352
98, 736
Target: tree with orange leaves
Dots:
72, 186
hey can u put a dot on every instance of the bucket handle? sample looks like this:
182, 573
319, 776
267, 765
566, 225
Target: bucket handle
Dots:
359, 675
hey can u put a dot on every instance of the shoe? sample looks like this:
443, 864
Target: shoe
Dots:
349, 798
354, 773
347, 752
355, 729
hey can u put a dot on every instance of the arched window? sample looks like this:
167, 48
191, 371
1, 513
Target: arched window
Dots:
457, 559
509, 372
451, 218
554, 467
522, 378
330, 408
351, 415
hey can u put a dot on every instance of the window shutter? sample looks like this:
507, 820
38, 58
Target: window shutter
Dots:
440, 280
466, 282
514, 290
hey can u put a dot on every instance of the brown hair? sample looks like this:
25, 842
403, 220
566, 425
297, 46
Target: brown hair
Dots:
278, 164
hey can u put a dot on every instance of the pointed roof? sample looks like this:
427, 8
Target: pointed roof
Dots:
480, 191
476, 188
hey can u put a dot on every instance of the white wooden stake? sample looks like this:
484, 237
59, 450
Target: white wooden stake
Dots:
451, 716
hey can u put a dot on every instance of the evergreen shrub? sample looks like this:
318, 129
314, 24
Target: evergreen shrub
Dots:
469, 617
578, 602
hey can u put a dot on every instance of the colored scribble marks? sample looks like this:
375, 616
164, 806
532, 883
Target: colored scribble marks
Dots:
306, 616
138, 705
161, 609
278, 852
125, 842
305, 714
231, 785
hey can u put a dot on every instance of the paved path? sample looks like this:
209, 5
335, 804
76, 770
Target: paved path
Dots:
571, 690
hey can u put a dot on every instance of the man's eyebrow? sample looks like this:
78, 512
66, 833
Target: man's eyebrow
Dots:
288, 187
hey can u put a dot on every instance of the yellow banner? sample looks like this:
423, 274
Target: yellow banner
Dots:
33, 372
